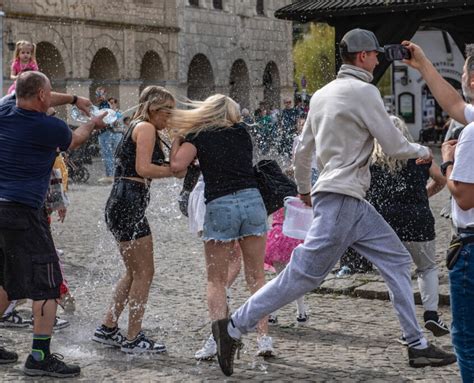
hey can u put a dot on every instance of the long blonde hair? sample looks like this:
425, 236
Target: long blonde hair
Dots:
21, 44
392, 165
152, 95
217, 111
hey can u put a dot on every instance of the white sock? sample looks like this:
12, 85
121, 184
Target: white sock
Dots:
300, 307
419, 344
233, 331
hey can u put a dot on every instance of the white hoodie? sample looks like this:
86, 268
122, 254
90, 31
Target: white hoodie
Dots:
344, 118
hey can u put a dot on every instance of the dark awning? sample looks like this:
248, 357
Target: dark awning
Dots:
391, 20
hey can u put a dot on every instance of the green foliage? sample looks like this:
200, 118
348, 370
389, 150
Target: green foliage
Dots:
314, 57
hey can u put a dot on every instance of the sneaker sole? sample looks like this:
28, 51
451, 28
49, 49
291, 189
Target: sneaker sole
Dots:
105, 342
14, 325
139, 352
8, 361
435, 329
206, 358
427, 362
32, 372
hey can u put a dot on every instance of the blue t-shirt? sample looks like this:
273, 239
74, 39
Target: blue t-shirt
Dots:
28, 146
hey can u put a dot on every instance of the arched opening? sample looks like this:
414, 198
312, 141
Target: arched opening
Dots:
51, 63
104, 72
240, 83
151, 70
200, 78
271, 86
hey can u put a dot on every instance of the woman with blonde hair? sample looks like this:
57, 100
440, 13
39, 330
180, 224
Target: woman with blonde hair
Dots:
212, 130
399, 191
138, 159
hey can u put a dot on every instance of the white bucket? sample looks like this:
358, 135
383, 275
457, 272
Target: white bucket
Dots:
298, 218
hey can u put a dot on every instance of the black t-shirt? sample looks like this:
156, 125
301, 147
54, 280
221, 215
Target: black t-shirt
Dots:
402, 200
225, 158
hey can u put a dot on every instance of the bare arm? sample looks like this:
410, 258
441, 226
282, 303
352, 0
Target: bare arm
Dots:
182, 155
144, 136
449, 99
462, 192
82, 103
437, 182
83, 132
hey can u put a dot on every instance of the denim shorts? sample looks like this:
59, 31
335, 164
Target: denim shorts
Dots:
234, 216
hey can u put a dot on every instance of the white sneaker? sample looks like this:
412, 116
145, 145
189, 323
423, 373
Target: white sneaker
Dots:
302, 319
208, 351
265, 346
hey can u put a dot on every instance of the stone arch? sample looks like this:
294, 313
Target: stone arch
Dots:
48, 34
200, 78
271, 85
151, 70
104, 71
142, 48
200, 48
239, 83
52, 65
101, 42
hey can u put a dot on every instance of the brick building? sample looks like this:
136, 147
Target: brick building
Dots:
192, 47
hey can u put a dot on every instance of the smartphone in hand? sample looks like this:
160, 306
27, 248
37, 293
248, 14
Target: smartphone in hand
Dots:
395, 52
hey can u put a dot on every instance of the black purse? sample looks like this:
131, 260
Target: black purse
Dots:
190, 181
273, 185
454, 249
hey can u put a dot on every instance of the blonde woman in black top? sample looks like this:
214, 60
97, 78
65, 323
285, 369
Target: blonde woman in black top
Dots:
139, 159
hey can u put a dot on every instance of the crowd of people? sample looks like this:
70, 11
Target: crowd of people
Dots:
333, 154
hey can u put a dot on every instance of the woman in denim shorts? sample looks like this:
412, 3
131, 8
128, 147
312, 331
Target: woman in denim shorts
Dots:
212, 130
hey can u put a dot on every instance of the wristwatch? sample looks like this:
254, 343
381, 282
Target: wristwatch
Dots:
74, 99
444, 167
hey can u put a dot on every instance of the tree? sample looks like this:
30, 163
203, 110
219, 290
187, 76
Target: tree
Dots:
314, 57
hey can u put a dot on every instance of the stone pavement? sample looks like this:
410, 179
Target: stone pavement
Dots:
349, 339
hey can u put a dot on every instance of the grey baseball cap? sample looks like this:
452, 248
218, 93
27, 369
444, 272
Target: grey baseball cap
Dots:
359, 40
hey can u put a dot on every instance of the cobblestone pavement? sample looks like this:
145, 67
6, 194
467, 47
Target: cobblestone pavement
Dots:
349, 339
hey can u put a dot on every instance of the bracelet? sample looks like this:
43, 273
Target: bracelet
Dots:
305, 194
74, 99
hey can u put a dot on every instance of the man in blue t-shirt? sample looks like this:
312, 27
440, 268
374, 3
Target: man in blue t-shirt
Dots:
29, 268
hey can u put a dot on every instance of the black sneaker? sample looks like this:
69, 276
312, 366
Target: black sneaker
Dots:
52, 365
14, 320
430, 356
141, 345
434, 324
7, 356
226, 346
113, 338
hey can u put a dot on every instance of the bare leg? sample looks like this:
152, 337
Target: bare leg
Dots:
120, 296
4, 302
235, 265
253, 251
138, 258
45, 315
217, 263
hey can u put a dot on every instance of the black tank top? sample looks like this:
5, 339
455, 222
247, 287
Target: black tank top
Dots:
126, 154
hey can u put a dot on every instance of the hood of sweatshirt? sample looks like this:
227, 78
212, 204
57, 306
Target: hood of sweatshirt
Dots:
354, 71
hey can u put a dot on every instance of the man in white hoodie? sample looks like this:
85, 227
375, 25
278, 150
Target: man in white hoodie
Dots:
344, 118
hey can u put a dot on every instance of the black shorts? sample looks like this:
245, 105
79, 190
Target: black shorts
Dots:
125, 210
29, 264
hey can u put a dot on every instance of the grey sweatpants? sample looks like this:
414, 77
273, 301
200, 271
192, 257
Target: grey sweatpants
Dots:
339, 221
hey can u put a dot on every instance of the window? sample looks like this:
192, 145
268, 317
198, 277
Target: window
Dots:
217, 4
194, 3
260, 8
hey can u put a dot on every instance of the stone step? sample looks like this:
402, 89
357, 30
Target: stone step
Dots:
370, 286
